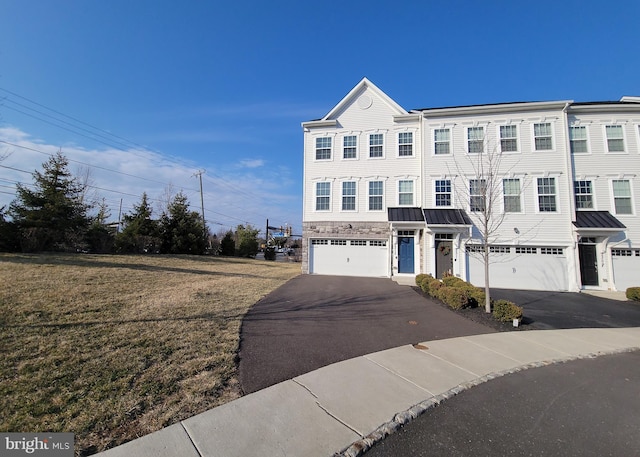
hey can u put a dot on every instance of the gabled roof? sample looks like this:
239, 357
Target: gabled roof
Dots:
597, 220
405, 215
447, 217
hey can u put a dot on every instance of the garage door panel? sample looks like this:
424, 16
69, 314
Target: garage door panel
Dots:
362, 259
626, 269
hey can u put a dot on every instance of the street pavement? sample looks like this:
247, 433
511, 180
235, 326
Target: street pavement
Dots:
371, 383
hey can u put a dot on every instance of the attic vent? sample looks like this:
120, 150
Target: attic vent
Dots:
365, 102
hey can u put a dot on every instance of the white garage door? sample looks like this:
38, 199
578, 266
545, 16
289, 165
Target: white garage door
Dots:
529, 268
349, 257
626, 268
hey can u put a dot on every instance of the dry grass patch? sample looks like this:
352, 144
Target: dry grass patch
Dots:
115, 347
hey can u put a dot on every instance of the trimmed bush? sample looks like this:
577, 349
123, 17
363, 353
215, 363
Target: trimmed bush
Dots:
420, 278
453, 281
633, 293
506, 311
455, 297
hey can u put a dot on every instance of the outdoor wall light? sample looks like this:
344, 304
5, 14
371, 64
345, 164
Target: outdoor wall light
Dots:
515, 229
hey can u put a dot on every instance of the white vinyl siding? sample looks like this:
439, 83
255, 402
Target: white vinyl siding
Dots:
323, 196
442, 141
622, 196
578, 139
615, 138
405, 144
543, 136
323, 148
350, 147
349, 196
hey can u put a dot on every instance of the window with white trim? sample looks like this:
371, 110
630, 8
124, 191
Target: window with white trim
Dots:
584, 194
475, 140
323, 196
622, 196
338, 242
377, 243
500, 249
376, 142
477, 194
615, 138
358, 242
405, 193
543, 136
443, 192
551, 251
547, 195
349, 196
349, 147
442, 141
621, 252
320, 242
405, 144
526, 250
323, 148
578, 139
511, 193
509, 138
376, 193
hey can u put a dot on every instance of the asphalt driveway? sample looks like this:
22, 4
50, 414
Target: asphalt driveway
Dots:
558, 310
313, 321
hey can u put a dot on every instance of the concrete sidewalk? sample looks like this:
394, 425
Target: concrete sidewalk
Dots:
347, 406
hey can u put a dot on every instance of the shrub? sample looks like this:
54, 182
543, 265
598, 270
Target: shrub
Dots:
476, 296
453, 281
420, 278
506, 311
270, 253
633, 293
432, 287
455, 297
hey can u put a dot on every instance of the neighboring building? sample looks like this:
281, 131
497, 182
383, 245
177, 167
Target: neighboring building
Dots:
389, 192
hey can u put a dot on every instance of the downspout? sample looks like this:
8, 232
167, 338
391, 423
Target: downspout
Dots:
575, 262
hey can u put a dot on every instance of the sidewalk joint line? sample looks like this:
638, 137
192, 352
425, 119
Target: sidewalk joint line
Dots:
304, 387
190, 439
399, 376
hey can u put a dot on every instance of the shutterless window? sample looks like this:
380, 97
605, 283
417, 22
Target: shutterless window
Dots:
508, 138
443, 192
349, 196
323, 196
442, 141
475, 140
477, 192
543, 136
376, 140
405, 144
547, 195
578, 139
405, 193
375, 195
584, 194
622, 196
511, 191
323, 148
615, 138
349, 145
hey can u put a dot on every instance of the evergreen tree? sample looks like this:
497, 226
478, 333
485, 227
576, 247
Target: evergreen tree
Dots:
100, 237
228, 244
247, 241
140, 234
182, 231
52, 216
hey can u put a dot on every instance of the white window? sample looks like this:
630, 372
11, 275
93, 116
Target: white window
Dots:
615, 138
526, 250
551, 251
475, 140
543, 136
349, 147
547, 195
349, 196
578, 139
358, 242
405, 144
622, 196
323, 148
376, 142
511, 192
443, 192
338, 242
376, 192
323, 196
500, 249
442, 141
584, 194
405, 193
477, 195
508, 138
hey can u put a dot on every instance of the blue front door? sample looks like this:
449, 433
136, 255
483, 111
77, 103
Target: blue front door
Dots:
405, 255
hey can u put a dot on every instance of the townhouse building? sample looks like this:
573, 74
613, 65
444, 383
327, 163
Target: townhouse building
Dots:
389, 192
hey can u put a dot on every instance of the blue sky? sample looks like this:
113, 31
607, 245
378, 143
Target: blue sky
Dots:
158, 90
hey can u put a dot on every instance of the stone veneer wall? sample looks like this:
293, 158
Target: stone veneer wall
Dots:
341, 230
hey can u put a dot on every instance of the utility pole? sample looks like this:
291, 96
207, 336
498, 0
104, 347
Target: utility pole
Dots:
199, 174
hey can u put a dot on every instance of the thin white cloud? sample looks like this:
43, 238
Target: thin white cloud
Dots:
252, 163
